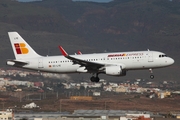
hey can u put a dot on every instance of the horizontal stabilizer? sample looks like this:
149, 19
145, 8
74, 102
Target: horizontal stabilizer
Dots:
16, 63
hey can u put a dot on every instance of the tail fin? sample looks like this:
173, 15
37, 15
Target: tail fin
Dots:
20, 47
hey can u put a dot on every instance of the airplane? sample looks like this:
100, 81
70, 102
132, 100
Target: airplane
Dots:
114, 63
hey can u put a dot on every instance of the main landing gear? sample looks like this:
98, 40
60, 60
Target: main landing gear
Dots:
151, 76
95, 79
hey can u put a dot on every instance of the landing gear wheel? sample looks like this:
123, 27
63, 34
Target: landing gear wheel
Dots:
152, 76
95, 79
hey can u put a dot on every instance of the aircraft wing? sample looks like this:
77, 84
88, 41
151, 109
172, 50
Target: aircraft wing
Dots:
90, 66
83, 62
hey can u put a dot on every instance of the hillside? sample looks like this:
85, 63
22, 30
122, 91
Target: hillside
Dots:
31, 17
124, 25
93, 27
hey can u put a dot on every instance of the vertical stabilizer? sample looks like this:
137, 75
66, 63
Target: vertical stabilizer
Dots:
20, 47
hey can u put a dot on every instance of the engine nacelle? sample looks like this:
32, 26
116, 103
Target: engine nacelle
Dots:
82, 69
115, 70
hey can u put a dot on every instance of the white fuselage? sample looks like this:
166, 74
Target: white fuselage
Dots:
115, 64
129, 60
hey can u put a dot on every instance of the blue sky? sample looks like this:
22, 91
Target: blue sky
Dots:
101, 1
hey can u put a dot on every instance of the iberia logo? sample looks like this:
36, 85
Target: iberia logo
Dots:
116, 55
21, 48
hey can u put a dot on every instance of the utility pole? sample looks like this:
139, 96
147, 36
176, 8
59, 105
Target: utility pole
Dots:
57, 94
60, 107
3, 106
40, 96
44, 95
20, 98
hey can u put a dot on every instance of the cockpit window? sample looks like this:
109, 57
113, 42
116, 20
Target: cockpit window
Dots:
163, 55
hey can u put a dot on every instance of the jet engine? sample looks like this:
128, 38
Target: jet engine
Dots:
115, 70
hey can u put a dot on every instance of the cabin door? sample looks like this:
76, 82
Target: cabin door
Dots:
150, 57
40, 63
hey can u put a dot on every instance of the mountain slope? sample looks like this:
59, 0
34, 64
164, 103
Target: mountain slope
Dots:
32, 17
128, 24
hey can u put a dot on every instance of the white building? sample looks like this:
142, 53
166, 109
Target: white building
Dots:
96, 93
6, 115
30, 105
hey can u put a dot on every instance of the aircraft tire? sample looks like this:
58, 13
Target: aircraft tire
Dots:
97, 79
93, 79
152, 76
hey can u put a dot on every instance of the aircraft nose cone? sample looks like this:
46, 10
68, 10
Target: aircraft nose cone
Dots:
170, 61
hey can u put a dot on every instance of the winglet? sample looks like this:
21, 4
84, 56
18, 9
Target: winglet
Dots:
63, 51
79, 53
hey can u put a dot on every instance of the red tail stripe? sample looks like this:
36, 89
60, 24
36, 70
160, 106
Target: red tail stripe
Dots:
17, 47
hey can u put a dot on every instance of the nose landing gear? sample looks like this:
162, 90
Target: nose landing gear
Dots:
151, 71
